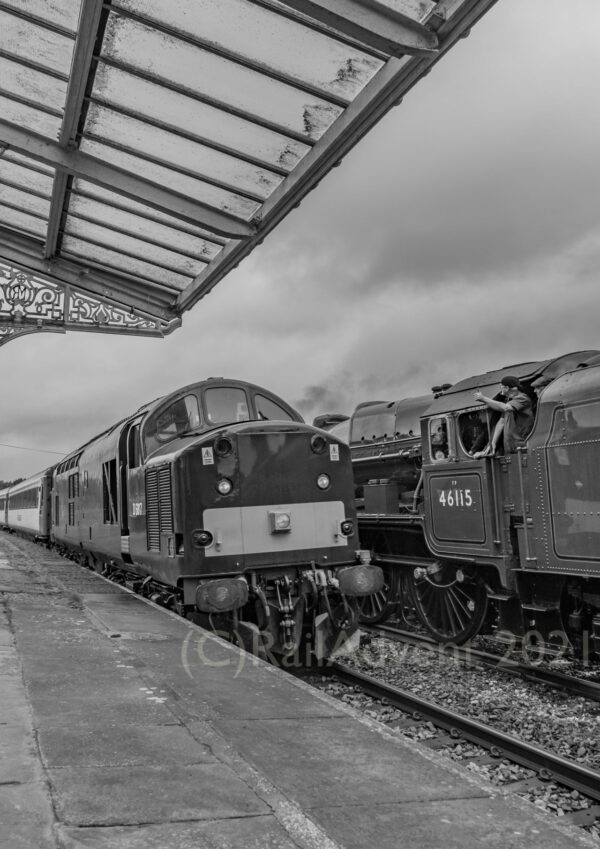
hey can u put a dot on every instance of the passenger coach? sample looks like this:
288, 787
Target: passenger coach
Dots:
26, 506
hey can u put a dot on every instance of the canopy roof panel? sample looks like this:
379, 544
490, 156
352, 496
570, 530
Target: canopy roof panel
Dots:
146, 147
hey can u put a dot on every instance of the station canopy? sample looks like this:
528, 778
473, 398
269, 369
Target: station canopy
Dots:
146, 146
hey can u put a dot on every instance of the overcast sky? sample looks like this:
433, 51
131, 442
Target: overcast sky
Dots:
461, 235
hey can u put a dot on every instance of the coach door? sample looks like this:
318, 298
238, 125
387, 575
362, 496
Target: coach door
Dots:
134, 497
123, 472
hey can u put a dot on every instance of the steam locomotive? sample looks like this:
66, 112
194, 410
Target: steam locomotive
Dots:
219, 502
508, 543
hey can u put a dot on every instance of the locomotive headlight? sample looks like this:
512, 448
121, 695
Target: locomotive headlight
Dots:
280, 521
224, 486
323, 481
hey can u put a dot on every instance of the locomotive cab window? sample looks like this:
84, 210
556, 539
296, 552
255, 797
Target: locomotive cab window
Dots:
268, 409
180, 416
474, 430
226, 404
438, 439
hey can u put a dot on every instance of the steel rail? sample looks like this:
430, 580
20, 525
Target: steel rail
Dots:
541, 675
554, 767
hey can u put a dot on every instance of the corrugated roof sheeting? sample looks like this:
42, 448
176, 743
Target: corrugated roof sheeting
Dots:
152, 145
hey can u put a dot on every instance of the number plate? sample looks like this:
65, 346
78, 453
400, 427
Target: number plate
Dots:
456, 508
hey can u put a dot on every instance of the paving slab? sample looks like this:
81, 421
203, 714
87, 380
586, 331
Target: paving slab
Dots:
100, 744
9, 663
106, 711
339, 762
26, 817
143, 795
14, 705
18, 755
124, 613
199, 663
257, 832
488, 823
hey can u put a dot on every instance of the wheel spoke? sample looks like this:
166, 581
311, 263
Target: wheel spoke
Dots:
378, 606
450, 611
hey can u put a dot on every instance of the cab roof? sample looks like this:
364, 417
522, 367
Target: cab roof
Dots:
460, 395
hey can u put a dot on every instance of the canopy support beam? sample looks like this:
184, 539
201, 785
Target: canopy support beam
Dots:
79, 164
90, 18
374, 23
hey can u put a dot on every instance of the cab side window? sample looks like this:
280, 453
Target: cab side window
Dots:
180, 416
438, 439
473, 430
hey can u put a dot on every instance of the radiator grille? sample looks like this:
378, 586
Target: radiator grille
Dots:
159, 506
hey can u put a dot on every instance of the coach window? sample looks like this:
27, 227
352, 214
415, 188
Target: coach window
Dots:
226, 404
438, 439
267, 409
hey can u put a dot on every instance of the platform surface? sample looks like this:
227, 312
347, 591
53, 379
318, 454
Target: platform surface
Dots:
125, 727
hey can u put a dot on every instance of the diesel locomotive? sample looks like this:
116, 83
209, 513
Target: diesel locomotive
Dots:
471, 543
219, 502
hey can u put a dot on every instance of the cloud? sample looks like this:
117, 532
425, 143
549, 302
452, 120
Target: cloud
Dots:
461, 233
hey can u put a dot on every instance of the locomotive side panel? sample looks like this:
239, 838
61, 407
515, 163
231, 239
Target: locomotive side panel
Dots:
454, 505
87, 497
566, 495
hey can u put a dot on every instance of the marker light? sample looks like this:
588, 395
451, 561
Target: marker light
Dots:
323, 481
280, 521
224, 486
347, 527
223, 446
201, 538
318, 443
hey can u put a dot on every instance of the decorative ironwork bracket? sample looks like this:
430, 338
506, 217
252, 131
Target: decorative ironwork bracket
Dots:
31, 304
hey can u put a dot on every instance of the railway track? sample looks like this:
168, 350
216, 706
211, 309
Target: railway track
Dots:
456, 728
467, 654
